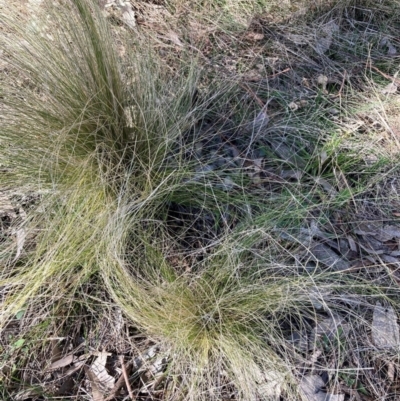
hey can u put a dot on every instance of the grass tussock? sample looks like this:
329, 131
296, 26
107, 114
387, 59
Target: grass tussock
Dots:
73, 133
218, 235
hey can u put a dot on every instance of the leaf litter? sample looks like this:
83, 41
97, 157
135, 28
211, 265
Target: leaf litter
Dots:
385, 329
311, 388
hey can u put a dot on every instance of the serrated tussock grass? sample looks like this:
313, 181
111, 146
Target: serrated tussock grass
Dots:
220, 326
105, 159
74, 132
104, 148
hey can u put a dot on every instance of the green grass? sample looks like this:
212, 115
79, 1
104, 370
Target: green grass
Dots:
104, 143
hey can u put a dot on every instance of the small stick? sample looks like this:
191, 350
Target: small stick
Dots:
342, 84
279, 73
253, 95
125, 375
117, 386
251, 92
393, 79
120, 382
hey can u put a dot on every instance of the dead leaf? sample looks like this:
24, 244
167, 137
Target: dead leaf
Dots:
128, 15
255, 168
325, 255
270, 385
311, 390
390, 259
330, 189
329, 326
157, 367
24, 395
390, 371
294, 106
254, 36
252, 76
391, 50
334, 397
21, 236
97, 395
352, 244
61, 363
387, 233
6, 208
368, 228
227, 184
286, 153
260, 121
78, 363
106, 3
317, 297
371, 245
315, 355
325, 37
390, 88
323, 44
371, 260
98, 369
174, 38
298, 39
385, 330
56, 350
333, 111
258, 164
291, 174
76, 366
323, 157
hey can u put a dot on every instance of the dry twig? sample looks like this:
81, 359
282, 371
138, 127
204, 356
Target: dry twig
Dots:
125, 376
121, 380
393, 79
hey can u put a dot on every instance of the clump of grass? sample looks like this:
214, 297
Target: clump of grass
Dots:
72, 130
106, 160
218, 328
105, 148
